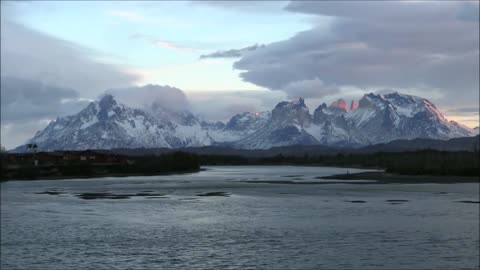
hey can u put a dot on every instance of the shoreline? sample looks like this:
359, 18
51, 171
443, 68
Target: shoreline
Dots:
360, 167
70, 177
376, 174
390, 178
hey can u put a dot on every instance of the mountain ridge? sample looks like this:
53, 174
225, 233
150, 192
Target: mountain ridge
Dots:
469, 144
107, 124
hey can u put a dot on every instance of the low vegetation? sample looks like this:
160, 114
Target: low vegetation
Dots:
144, 165
424, 162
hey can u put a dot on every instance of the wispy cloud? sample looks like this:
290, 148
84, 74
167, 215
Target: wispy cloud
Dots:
163, 43
233, 53
129, 15
147, 17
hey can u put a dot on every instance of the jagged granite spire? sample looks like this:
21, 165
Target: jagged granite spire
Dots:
107, 124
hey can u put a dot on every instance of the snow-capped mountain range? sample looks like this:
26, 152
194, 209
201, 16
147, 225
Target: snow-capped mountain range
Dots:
107, 124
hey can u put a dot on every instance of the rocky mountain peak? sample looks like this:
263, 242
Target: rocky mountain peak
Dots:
353, 105
339, 104
107, 124
300, 102
247, 121
107, 102
292, 112
371, 100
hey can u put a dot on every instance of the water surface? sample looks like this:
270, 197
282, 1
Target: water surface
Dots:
248, 224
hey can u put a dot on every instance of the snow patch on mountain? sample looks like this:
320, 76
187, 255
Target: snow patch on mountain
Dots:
107, 124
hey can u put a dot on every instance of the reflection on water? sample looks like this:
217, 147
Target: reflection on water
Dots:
231, 218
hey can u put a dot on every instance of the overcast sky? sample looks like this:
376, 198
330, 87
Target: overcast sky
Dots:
220, 58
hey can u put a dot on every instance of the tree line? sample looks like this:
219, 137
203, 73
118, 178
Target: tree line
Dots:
426, 162
142, 165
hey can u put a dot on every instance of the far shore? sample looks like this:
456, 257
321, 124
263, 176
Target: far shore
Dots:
389, 178
378, 176
353, 166
70, 177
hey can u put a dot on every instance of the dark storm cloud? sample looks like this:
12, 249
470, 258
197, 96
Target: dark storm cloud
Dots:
394, 44
234, 53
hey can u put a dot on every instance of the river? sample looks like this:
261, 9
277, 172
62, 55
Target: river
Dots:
246, 217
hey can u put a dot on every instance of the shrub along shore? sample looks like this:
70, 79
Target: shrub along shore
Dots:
425, 162
414, 163
177, 162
